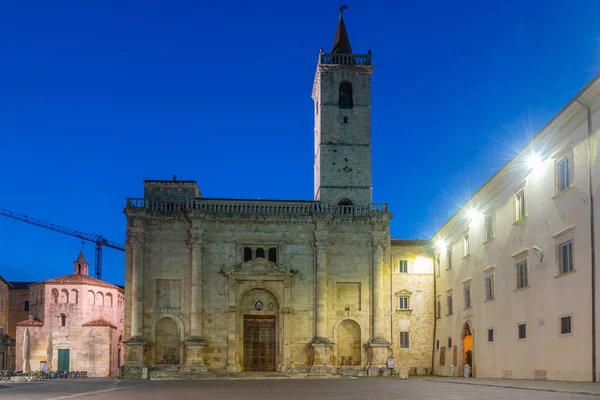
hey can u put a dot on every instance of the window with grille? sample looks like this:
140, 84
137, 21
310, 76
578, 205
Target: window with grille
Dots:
489, 287
522, 331
565, 254
490, 335
403, 302
520, 205
565, 325
522, 275
403, 267
468, 297
404, 340
562, 171
488, 222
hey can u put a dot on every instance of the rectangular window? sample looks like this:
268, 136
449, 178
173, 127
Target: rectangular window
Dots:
522, 275
490, 335
522, 331
450, 304
439, 308
489, 287
565, 257
273, 254
468, 297
403, 302
449, 256
437, 345
403, 267
562, 172
247, 254
520, 205
449, 342
466, 244
404, 342
26, 308
565, 325
488, 222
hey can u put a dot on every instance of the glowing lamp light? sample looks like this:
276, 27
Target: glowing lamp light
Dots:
473, 214
440, 244
534, 161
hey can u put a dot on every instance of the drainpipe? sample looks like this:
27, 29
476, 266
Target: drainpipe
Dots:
592, 235
434, 313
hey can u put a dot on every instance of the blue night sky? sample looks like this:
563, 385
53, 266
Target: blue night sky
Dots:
97, 96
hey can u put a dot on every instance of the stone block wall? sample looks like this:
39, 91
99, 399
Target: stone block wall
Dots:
16, 306
170, 191
4, 305
418, 320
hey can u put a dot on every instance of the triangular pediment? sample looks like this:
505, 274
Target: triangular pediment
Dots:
258, 266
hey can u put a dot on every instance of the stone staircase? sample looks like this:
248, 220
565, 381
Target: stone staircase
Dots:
174, 372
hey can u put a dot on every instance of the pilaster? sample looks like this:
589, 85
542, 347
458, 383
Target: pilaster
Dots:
135, 243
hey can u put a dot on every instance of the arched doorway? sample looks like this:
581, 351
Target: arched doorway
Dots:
467, 346
348, 343
167, 342
259, 309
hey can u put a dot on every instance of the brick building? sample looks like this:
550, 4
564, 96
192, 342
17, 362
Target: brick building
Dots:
75, 322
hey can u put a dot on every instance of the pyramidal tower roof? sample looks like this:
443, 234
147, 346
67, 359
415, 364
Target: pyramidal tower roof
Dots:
341, 43
81, 256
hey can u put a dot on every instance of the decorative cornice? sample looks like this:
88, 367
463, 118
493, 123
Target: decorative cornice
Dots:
321, 341
378, 342
196, 341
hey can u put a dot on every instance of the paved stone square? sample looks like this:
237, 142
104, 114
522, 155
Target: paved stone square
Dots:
371, 388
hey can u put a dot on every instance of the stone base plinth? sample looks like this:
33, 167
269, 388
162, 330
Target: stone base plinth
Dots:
378, 352
322, 356
134, 366
194, 355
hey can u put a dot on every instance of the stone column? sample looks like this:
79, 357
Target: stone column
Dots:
136, 244
135, 345
195, 343
378, 345
321, 344
378, 313
232, 365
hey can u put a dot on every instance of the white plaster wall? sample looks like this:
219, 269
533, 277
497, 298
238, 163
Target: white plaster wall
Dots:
548, 296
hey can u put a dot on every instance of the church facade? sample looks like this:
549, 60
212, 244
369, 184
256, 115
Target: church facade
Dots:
220, 285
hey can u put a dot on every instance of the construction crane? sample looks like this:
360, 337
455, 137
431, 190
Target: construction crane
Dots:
90, 237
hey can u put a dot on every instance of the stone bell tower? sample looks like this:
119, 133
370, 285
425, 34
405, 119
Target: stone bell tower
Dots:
342, 96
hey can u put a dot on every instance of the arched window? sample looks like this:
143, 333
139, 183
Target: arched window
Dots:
260, 252
345, 202
64, 296
55, 295
345, 98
